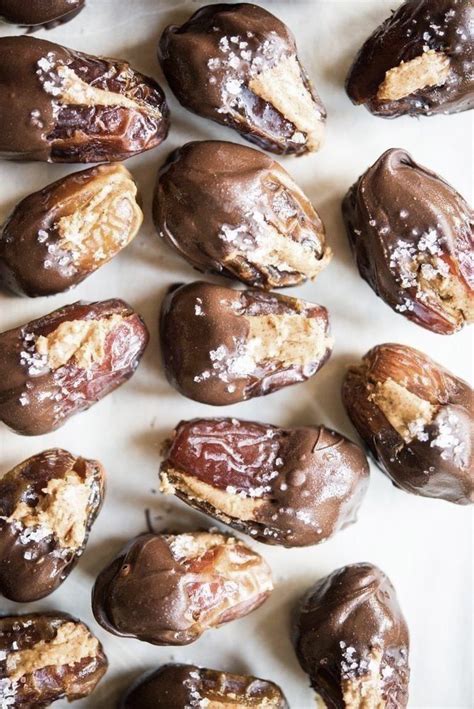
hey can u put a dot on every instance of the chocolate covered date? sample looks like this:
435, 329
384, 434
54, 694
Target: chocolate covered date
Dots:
45, 657
40, 12
66, 361
237, 64
60, 235
182, 686
168, 589
60, 105
413, 239
418, 62
221, 346
352, 640
417, 420
235, 211
48, 504
293, 487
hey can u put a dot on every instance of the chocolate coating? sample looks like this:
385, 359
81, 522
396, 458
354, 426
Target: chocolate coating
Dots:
36, 397
237, 64
221, 346
34, 560
232, 210
352, 640
177, 686
168, 589
40, 12
60, 105
420, 426
413, 239
440, 30
293, 487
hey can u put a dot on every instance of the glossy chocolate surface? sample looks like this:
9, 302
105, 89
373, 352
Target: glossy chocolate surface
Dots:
40, 12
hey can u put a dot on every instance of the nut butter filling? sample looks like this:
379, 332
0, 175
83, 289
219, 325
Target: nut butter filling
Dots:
406, 412
429, 69
73, 643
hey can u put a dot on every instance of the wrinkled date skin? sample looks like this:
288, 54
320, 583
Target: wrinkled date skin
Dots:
232, 210
68, 230
293, 487
48, 13
45, 657
181, 686
352, 640
237, 64
418, 62
413, 239
417, 420
48, 504
168, 589
221, 346
58, 105
62, 363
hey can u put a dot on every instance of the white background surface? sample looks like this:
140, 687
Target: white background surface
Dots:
424, 545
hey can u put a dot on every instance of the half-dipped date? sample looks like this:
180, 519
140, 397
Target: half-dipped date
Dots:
235, 211
413, 239
40, 12
66, 361
418, 62
237, 64
417, 420
352, 640
60, 105
48, 504
182, 686
168, 589
45, 657
60, 235
289, 486
221, 346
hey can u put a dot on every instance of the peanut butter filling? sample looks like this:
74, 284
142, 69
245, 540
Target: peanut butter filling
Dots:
63, 511
283, 87
454, 298
73, 643
365, 691
83, 340
430, 69
405, 411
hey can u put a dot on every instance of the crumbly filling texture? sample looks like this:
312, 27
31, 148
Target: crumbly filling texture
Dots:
429, 69
193, 546
73, 642
363, 686
406, 412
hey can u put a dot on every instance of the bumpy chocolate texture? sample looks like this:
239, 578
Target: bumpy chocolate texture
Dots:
60, 105
352, 640
168, 589
418, 62
48, 504
182, 686
293, 487
417, 420
237, 64
45, 657
412, 236
68, 230
63, 363
221, 346
235, 211
40, 12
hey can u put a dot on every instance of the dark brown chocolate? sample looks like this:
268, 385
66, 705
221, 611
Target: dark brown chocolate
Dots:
48, 505
413, 239
287, 486
168, 589
45, 657
352, 640
58, 236
40, 12
417, 420
232, 210
418, 62
237, 64
64, 362
177, 686
221, 346
59, 105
